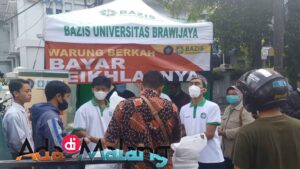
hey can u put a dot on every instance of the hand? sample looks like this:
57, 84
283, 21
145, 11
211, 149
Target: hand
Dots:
219, 132
87, 140
75, 156
94, 139
222, 133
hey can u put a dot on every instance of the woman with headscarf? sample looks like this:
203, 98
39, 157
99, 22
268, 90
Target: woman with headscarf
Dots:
235, 116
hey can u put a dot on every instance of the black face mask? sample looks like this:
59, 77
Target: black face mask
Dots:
63, 106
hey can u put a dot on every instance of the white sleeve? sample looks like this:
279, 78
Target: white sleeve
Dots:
214, 116
80, 120
165, 96
181, 113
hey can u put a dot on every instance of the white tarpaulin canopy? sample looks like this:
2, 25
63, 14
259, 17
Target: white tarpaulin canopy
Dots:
124, 22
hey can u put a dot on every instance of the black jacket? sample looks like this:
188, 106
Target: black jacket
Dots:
292, 106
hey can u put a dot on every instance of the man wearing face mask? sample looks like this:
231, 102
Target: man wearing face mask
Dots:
235, 116
46, 122
292, 106
92, 118
203, 116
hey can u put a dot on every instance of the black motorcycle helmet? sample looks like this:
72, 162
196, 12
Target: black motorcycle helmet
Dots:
262, 89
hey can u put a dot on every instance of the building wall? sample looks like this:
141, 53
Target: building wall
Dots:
21, 42
5, 63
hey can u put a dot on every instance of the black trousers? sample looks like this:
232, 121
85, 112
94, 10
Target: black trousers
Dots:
211, 165
228, 163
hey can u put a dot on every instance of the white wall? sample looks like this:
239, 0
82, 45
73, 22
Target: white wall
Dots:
5, 63
30, 23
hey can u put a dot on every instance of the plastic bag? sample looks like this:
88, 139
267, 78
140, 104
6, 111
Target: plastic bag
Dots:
186, 152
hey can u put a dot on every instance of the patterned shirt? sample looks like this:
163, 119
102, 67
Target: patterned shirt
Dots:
134, 124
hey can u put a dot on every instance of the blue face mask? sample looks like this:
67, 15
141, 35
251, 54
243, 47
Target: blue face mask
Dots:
298, 89
233, 99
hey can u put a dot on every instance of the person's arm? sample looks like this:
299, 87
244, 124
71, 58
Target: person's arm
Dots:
183, 132
246, 119
14, 132
53, 132
112, 134
236, 167
80, 133
210, 131
80, 125
177, 130
213, 120
224, 118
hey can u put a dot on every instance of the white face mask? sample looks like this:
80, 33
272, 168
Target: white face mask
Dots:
194, 91
100, 95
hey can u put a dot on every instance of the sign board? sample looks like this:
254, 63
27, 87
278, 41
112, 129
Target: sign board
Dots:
123, 40
126, 63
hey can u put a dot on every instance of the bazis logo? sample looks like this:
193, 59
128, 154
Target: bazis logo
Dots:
203, 115
108, 12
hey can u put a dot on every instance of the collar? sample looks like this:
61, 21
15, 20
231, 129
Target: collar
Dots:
95, 103
18, 106
238, 107
149, 93
200, 104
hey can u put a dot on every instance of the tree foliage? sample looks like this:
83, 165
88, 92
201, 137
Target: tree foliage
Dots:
238, 24
190, 10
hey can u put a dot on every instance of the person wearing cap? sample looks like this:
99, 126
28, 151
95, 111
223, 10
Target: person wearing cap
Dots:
292, 106
272, 140
203, 116
235, 116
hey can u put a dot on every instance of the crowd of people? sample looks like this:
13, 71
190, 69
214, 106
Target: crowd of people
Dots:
259, 129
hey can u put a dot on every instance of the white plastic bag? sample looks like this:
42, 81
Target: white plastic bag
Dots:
186, 152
